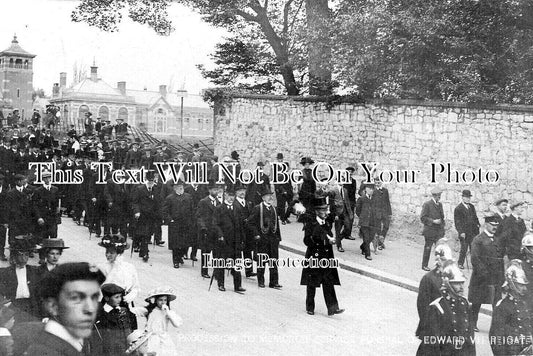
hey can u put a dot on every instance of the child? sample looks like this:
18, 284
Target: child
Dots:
159, 316
114, 323
7, 320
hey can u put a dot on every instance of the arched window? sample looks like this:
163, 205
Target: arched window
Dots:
81, 113
103, 113
123, 114
160, 121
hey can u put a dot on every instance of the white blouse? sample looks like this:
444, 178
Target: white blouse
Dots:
124, 275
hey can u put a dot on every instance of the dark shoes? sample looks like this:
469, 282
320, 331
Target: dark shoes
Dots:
240, 290
425, 268
194, 259
338, 311
310, 312
160, 243
283, 222
145, 258
381, 247
461, 267
206, 275
221, 288
349, 238
3, 258
476, 329
368, 258
340, 249
251, 274
275, 286
261, 285
176, 265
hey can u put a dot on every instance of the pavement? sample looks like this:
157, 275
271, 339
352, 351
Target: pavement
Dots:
398, 264
380, 316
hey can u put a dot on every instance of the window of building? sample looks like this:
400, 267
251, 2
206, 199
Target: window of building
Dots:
200, 124
103, 113
160, 124
26, 64
123, 114
18, 63
18, 93
11, 63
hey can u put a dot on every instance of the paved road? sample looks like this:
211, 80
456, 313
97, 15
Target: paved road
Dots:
380, 319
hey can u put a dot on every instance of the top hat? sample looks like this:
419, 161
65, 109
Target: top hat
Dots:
319, 202
467, 193
306, 160
279, 156
54, 244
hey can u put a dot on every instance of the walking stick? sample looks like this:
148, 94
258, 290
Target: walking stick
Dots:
211, 282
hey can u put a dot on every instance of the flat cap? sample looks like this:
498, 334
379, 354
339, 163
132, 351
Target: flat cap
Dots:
110, 289
436, 191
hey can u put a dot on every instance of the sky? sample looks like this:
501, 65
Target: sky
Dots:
135, 54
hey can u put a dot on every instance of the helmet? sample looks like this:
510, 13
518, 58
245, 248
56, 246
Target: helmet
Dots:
444, 252
299, 209
452, 273
515, 273
527, 241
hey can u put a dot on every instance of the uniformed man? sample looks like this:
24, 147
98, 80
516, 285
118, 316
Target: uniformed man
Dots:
229, 232
487, 269
511, 331
432, 216
284, 194
178, 214
466, 224
319, 240
447, 326
430, 284
527, 266
264, 224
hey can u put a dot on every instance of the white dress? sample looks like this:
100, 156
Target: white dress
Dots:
160, 341
124, 275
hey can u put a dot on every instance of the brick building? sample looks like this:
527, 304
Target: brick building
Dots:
16, 80
159, 112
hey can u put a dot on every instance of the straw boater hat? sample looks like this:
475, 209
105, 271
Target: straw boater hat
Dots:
137, 339
58, 244
165, 290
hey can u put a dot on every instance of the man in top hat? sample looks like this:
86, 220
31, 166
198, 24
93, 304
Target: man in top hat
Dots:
254, 189
284, 194
46, 209
264, 224
432, 216
146, 205
133, 157
20, 212
366, 211
306, 190
487, 269
147, 160
343, 214
466, 224
178, 214
512, 231
511, 331
243, 209
319, 240
383, 211
230, 235
66, 333
17, 282
351, 187
197, 193
206, 230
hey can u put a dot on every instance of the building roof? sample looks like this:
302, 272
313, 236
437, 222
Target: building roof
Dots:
94, 90
150, 98
16, 50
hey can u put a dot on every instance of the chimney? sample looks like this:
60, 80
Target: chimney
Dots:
163, 90
55, 90
121, 86
94, 73
62, 80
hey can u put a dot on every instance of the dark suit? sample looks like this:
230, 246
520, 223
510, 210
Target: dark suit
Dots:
431, 232
227, 225
204, 218
366, 211
178, 213
46, 205
133, 158
26, 309
284, 197
269, 234
46, 344
487, 273
20, 214
319, 248
466, 222
512, 232
196, 194
428, 291
250, 244
148, 204
4, 218
383, 210
343, 213
117, 214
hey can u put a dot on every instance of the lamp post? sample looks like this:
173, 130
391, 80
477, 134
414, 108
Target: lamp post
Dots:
181, 94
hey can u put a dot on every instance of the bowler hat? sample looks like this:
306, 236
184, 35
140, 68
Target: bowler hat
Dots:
234, 155
239, 186
467, 193
279, 156
54, 244
260, 164
196, 146
150, 175
492, 219
351, 169
110, 289
19, 177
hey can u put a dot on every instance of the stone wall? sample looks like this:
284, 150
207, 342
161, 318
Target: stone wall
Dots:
399, 135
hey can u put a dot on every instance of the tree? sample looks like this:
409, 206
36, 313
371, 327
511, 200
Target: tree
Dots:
477, 51
318, 37
37, 93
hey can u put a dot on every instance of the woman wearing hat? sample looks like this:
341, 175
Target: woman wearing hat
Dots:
52, 250
117, 270
160, 317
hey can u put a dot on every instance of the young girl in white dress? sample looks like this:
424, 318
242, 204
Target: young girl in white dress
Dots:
160, 317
